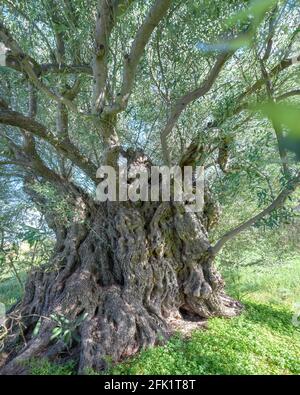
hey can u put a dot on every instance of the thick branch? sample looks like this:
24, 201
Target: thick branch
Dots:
7, 162
182, 103
284, 64
277, 203
13, 62
132, 60
13, 118
104, 25
31, 68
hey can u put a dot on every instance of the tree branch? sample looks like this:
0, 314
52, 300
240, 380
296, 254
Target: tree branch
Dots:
31, 68
63, 68
277, 203
10, 4
14, 63
27, 158
7, 162
104, 25
284, 64
13, 118
182, 103
132, 60
294, 92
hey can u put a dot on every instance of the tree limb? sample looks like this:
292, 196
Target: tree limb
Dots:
294, 92
63, 68
30, 67
104, 25
284, 64
132, 60
277, 127
182, 103
13, 118
277, 203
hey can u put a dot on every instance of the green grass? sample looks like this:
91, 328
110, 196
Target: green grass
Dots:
10, 291
276, 284
262, 340
42, 367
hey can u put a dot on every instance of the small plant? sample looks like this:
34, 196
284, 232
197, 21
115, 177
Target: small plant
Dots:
66, 330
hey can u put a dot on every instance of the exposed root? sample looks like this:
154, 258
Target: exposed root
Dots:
133, 271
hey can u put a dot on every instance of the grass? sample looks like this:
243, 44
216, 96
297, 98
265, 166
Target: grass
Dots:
43, 367
10, 291
263, 340
277, 284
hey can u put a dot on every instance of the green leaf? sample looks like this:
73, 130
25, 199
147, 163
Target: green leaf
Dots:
256, 11
56, 333
54, 317
82, 318
37, 328
287, 116
284, 114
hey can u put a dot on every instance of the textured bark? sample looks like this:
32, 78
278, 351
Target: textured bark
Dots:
132, 268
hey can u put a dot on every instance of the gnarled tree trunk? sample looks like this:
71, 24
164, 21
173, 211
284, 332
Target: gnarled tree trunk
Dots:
131, 268
127, 268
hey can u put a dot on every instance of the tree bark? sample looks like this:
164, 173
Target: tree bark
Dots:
131, 268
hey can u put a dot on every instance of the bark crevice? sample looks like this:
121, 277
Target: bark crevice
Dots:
135, 270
